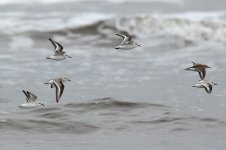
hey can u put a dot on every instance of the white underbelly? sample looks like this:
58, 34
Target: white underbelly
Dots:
126, 47
57, 58
31, 105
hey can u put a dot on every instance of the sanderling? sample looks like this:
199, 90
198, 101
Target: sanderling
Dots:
200, 68
205, 84
58, 84
127, 43
59, 54
30, 100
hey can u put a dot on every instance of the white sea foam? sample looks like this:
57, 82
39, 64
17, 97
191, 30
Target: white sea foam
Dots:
190, 26
50, 22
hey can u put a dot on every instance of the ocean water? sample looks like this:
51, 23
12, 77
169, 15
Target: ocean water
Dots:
137, 99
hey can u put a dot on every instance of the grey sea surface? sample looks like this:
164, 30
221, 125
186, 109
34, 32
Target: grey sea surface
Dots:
138, 99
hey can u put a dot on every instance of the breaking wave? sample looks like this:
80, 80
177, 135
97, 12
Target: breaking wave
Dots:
191, 26
188, 26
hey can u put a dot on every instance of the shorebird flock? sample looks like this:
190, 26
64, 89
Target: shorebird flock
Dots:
126, 44
201, 69
57, 83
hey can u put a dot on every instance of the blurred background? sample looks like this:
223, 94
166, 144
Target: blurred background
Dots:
172, 35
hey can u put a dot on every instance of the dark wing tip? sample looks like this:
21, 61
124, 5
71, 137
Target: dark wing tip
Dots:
53, 42
25, 93
50, 39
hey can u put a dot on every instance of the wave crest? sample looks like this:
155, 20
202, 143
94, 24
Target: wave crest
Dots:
184, 26
208, 27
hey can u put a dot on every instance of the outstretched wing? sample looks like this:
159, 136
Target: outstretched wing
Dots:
208, 88
25, 93
125, 37
57, 46
202, 72
31, 97
59, 90
61, 87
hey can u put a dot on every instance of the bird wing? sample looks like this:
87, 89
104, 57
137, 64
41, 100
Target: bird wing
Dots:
25, 93
31, 97
59, 90
208, 88
57, 46
125, 37
62, 88
202, 72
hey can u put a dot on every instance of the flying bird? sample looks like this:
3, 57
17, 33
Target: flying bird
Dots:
126, 43
58, 83
58, 54
31, 100
200, 68
207, 85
